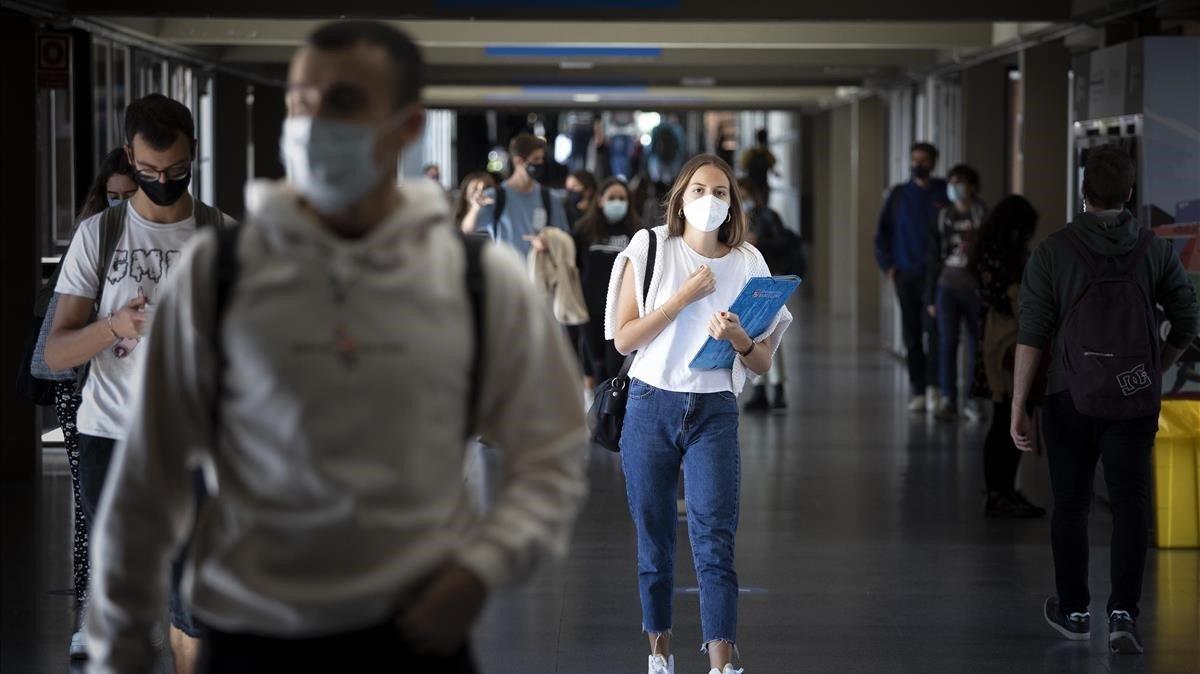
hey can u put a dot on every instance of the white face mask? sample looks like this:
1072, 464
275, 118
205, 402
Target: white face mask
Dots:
706, 213
615, 210
330, 163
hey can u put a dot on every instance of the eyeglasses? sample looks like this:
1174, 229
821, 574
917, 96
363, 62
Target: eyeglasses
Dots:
177, 172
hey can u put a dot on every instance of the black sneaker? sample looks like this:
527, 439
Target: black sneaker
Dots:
780, 401
1123, 636
1011, 506
1076, 626
758, 402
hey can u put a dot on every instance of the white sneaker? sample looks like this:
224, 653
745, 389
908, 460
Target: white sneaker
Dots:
933, 398
972, 411
79, 649
661, 665
728, 670
917, 404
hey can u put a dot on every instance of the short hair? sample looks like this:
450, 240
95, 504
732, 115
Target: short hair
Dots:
761, 136
425, 168
927, 148
965, 173
749, 186
1108, 175
733, 231
403, 52
524, 144
159, 121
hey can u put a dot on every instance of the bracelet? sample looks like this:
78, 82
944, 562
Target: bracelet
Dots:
112, 329
748, 351
664, 313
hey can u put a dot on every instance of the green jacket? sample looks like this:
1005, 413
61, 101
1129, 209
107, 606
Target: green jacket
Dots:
1055, 278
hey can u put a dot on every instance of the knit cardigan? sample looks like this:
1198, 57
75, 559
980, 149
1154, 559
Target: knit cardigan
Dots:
637, 252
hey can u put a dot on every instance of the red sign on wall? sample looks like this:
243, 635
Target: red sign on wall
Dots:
53, 60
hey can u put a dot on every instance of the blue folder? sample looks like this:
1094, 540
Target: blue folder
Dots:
756, 307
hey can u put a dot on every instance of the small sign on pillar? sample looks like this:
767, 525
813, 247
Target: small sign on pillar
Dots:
53, 60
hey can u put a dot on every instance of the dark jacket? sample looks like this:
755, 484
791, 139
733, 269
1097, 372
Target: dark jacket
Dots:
901, 238
1055, 278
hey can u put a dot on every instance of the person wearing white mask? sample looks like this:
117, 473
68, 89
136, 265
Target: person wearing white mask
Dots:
327, 390
600, 235
679, 416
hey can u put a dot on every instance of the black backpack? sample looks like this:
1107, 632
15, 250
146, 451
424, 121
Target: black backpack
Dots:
607, 414
1110, 338
781, 248
226, 269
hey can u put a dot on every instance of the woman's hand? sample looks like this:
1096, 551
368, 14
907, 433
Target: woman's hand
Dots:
699, 285
726, 326
537, 241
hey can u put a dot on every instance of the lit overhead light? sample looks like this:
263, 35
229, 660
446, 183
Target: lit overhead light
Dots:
586, 98
576, 65
846, 92
699, 81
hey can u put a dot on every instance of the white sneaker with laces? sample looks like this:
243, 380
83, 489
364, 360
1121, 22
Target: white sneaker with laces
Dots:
661, 665
933, 398
728, 670
79, 650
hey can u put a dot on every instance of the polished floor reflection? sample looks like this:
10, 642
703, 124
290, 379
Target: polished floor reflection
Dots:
863, 548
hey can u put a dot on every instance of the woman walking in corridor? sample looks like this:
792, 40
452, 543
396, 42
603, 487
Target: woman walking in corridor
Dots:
680, 416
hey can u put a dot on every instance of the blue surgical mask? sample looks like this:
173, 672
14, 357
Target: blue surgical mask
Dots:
954, 192
114, 201
615, 210
330, 163
748, 206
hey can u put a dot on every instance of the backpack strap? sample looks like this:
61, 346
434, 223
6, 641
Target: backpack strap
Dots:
545, 193
498, 208
1082, 251
226, 269
646, 277
112, 227
206, 216
473, 249
1130, 262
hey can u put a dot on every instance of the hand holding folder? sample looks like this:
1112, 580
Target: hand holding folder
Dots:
756, 306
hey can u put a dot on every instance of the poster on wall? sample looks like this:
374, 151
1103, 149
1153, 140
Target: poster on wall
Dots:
1183, 380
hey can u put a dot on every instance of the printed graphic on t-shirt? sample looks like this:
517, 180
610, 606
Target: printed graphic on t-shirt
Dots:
141, 264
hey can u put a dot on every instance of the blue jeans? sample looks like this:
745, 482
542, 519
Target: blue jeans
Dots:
662, 430
954, 307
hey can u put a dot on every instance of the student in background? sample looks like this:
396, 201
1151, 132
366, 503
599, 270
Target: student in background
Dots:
952, 292
998, 262
526, 207
470, 197
581, 194
599, 237
763, 225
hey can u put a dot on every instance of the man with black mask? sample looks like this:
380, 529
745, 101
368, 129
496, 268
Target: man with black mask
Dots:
108, 290
522, 206
901, 248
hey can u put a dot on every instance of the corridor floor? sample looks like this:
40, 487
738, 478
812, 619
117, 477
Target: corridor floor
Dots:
862, 548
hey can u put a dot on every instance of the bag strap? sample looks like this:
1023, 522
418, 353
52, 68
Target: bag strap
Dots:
545, 194
646, 277
206, 216
226, 269
1131, 261
1082, 251
112, 227
473, 248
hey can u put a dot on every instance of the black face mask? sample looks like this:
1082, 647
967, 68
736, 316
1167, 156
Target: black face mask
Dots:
536, 171
573, 199
920, 172
164, 194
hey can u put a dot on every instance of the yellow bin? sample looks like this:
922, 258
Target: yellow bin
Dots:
1177, 474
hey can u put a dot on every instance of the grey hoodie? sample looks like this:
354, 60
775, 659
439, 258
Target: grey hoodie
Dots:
1055, 278
339, 465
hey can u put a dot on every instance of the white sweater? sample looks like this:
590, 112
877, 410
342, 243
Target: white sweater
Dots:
638, 253
338, 470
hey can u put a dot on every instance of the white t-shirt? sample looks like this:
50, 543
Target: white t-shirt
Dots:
663, 363
142, 259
